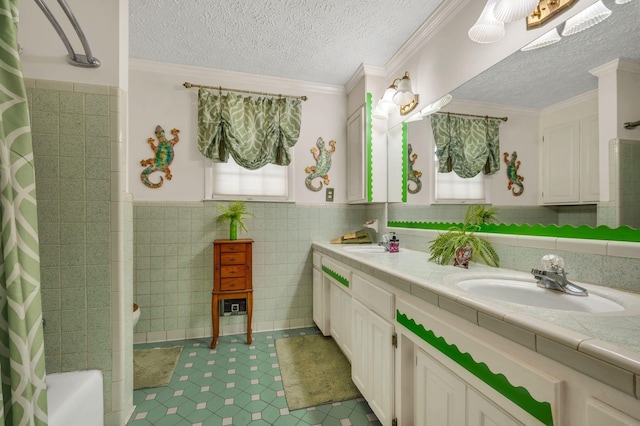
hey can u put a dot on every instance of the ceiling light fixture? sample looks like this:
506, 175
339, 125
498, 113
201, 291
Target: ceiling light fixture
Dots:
513, 10
487, 28
544, 40
589, 17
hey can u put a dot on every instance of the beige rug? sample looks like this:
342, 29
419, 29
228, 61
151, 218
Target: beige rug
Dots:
314, 371
153, 368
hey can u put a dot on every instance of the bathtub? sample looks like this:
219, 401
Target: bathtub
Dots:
75, 398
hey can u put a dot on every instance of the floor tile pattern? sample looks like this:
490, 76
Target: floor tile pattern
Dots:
235, 384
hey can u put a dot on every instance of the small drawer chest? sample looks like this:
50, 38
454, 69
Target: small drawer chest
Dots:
232, 279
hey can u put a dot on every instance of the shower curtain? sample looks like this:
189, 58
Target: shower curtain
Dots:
23, 400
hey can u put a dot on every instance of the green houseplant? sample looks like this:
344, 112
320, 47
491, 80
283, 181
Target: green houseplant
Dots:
443, 248
233, 213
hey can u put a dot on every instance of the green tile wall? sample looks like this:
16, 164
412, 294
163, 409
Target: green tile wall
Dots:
174, 271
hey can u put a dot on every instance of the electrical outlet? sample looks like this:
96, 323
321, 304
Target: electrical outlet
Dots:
329, 196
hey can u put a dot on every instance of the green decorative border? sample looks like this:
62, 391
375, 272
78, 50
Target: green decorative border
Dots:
342, 280
622, 233
517, 394
405, 161
369, 147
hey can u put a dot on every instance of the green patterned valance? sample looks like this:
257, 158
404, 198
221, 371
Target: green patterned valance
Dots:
254, 131
466, 146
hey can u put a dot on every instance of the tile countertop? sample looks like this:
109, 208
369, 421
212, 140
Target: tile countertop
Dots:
609, 339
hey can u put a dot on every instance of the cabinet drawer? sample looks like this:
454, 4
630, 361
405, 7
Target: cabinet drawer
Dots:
233, 248
373, 296
232, 258
232, 271
230, 284
336, 272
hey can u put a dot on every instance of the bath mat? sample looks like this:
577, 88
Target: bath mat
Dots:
314, 371
153, 368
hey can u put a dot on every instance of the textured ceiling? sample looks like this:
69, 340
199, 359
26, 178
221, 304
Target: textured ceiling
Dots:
543, 77
318, 41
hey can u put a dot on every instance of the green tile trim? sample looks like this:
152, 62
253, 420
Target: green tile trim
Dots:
517, 394
368, 125
405, 161
584, 232
342, 280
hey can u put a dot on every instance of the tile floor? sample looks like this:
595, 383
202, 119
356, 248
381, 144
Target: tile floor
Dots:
235, 384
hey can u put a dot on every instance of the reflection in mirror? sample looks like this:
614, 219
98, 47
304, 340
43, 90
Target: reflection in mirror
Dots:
534, 89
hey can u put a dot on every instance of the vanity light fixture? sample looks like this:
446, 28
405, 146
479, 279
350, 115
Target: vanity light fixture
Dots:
622, 1
398, 94
487, 28
435, 106
544, 40
589, 17
513, 10
404, 96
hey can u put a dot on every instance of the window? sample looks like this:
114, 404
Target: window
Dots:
449, 187
230, 181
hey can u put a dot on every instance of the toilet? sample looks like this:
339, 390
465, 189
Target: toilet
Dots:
136, 314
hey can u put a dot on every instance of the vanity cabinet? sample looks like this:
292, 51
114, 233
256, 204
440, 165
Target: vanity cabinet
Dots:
373, 346
335, 293
569, 162
321, 297
341, 319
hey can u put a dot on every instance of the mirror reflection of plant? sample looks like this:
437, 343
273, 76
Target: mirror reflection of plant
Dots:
443, 248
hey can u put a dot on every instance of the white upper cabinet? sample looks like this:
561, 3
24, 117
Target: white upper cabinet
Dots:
569, 155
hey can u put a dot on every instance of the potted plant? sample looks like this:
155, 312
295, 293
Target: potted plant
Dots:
233, 213
445, 247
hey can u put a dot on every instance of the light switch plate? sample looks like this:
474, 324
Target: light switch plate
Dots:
329, 196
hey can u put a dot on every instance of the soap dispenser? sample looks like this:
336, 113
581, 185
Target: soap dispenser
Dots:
394, 244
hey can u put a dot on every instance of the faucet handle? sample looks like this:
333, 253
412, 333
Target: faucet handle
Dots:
552, 263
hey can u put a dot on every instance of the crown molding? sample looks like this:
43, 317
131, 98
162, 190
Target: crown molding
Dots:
237, 79
619, 64
438, 19
576, 100
364, 69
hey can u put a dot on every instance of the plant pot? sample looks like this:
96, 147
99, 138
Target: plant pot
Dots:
233, 230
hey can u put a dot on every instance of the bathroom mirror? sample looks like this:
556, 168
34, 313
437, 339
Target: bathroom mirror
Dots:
535, 80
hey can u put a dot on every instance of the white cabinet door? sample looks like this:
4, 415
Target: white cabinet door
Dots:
359, 351
341, 319
372, 363
600, 414
589, 157
356, 157
481, 412
320, 302
560, 164
440, 397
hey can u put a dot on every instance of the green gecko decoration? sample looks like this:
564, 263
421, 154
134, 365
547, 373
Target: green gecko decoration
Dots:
163, 157
512, 173
323, 164
413, 175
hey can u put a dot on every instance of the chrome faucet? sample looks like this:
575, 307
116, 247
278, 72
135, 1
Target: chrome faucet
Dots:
384, 241
554, 277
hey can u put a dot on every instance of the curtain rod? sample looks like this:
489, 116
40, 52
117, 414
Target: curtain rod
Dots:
473, 115
190, 85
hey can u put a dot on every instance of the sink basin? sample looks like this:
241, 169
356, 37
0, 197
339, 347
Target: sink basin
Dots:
365, 249
526, 292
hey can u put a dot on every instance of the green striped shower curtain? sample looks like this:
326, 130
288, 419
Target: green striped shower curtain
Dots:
24, 396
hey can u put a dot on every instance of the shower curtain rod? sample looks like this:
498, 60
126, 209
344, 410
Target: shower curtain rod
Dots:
632, 125
190, 85
473, 115
84, 61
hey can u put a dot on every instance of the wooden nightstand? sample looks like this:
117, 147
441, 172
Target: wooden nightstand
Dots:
232, 275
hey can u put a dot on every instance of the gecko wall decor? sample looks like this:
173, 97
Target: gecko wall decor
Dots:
515, 179
163, 157
413, 175
323, 164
